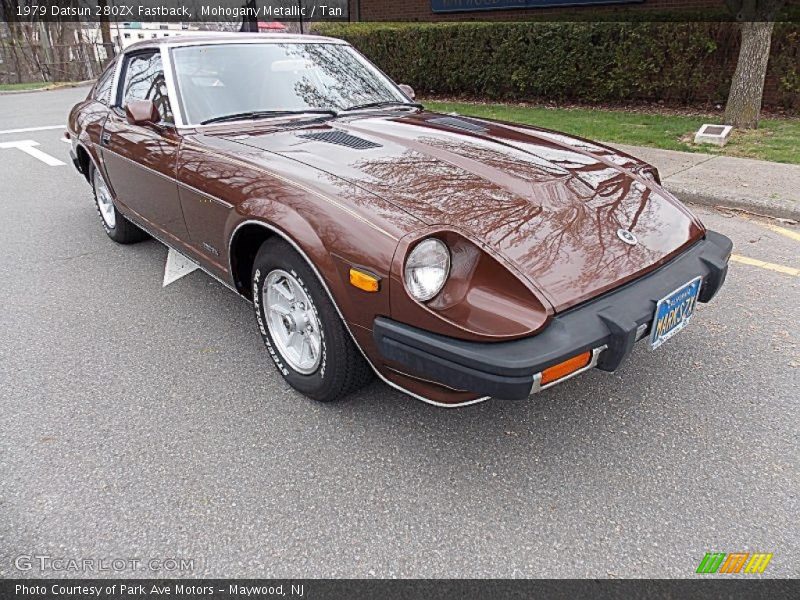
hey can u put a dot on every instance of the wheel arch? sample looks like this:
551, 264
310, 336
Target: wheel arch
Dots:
245, 241
88, 160
249, 235
84, 160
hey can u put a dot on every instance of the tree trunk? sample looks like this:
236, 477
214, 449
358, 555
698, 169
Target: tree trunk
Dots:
10, 14
105, 31
747, 88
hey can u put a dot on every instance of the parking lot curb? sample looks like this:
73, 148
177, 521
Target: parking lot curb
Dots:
781, 209
758, 186
49, 88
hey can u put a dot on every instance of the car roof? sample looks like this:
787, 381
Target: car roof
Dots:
222, 37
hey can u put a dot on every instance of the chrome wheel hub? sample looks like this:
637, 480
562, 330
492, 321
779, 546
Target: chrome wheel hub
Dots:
104, 200
292, 322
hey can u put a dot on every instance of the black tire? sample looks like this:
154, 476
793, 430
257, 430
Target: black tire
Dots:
342, 369
123, 231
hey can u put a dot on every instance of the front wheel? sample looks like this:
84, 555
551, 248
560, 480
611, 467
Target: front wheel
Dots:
116, 226
302, 330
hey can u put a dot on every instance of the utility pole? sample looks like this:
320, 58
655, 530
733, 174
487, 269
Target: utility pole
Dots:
300, 14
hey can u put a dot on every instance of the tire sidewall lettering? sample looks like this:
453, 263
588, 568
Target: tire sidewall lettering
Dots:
323, 345
261, 325
285, 370
106, 228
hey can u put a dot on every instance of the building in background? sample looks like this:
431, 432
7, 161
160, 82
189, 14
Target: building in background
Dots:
508, 10
271, 27
127, 33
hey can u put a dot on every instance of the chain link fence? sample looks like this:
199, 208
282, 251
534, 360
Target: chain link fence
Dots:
34, 52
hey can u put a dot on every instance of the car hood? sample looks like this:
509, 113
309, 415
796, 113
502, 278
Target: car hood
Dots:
552, 205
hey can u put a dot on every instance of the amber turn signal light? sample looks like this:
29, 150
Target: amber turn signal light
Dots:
364, 281
562, 369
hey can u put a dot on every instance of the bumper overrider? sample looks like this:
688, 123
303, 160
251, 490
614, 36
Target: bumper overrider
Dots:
603, 330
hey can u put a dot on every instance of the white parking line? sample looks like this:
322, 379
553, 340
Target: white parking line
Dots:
27, 146
27, 129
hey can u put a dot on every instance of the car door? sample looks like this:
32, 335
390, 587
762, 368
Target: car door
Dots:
141, 160
204, 181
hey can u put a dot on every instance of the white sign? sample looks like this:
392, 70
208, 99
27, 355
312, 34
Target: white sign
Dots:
177, 266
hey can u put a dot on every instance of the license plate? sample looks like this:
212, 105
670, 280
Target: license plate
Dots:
674, 311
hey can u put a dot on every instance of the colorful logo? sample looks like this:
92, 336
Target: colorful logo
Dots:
719, 562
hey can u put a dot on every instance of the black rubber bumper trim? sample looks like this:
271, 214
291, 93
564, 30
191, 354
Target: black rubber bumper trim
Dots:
507, 369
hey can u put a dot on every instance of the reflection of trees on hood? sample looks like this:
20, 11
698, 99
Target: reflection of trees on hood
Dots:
569, 203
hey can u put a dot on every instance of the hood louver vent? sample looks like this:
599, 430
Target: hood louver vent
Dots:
340, 139
459, 124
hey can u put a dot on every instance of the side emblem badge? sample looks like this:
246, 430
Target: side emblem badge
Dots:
627, 237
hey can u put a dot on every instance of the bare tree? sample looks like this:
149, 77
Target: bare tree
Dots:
105, 29
12, 42
747, 87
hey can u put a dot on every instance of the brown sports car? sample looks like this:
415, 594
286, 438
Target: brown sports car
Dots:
457, 258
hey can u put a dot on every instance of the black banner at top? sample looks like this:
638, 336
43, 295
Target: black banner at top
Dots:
174, 11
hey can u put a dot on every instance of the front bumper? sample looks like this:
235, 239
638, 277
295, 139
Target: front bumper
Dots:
510, 370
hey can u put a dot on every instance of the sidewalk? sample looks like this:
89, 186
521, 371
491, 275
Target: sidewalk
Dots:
48, 87
759, 186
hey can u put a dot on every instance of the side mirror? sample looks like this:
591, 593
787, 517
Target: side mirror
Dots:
408, 91
142, 112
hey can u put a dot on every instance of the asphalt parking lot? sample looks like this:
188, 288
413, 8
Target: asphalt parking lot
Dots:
147, 422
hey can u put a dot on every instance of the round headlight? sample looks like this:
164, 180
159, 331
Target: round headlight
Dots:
427, 268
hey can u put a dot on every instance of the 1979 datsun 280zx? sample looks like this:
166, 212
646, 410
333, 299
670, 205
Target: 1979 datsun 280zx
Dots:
457, 258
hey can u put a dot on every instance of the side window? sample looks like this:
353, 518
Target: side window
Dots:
102, 88
144, 80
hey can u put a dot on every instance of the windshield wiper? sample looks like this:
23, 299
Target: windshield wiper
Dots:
383, 103
266, 114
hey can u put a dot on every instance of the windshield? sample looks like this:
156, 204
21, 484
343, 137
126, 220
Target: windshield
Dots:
228, 79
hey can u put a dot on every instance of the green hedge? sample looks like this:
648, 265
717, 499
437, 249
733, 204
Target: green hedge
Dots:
585, 61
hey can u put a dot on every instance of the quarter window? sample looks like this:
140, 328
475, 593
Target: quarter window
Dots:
144, 80
102, 89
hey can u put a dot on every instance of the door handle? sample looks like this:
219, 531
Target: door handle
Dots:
105, 139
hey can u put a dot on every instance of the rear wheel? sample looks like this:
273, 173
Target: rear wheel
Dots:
302, 330
116, 226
